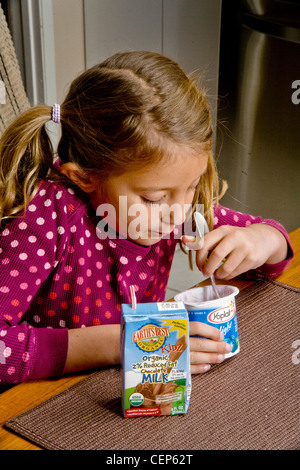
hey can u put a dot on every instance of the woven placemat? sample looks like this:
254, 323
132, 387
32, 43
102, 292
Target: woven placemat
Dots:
248, 402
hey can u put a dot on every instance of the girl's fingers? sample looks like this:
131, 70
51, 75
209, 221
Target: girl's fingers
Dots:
206, 331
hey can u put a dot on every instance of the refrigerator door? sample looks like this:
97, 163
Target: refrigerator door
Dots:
259, 146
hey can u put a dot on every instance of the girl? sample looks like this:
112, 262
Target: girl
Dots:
135, 132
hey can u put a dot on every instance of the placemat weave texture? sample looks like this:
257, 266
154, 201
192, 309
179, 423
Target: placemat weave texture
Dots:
248, 402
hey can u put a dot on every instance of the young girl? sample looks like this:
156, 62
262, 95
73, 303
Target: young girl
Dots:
135, 132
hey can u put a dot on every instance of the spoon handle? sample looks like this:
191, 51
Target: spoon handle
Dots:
202, 224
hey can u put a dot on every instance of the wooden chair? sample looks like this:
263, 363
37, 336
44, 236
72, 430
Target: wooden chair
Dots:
13, 98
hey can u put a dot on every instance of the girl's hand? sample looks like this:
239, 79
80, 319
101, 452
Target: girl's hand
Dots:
209, 349
242, 248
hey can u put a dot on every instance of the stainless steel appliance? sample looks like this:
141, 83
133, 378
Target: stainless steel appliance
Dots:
259, 108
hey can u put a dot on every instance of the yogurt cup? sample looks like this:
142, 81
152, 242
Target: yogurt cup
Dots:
203, 306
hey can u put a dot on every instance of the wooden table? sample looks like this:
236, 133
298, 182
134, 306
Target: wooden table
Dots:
29, 394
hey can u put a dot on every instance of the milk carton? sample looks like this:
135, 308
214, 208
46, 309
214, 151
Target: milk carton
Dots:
155, 359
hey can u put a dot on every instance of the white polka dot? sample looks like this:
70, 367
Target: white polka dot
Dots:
143, 276
49, 235
81, 241
79, 280
32, 208
58, 195
112, 244
60, 230
123, 260
21, 337
48, 202
139, 258
73, 229
5, 261
62, 323
81, 261
32, 269
42, 192
38, 282
23, 286
36, 318
87, 233
99, 246
5, 232
223, 212
23, 256
7, 352
47, 265
40, 221
32, 239
40, 252
22, 225
68, 269
99, 283
14, 273
71, 191
54, 215
4, 289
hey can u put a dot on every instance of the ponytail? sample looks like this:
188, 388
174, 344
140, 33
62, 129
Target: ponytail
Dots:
26, 155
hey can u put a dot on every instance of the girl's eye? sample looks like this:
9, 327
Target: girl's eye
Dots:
150, 202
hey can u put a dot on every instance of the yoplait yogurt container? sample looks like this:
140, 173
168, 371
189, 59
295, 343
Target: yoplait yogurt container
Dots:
203, 306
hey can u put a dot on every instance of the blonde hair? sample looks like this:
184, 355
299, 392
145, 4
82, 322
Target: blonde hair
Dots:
117, 116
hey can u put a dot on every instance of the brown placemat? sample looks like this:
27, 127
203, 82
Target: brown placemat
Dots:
250, 401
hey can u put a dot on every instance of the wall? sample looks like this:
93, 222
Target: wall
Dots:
69, 42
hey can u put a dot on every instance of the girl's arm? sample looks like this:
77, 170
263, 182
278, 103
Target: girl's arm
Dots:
93, 347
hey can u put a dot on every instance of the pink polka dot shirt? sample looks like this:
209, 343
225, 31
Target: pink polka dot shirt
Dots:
57, 274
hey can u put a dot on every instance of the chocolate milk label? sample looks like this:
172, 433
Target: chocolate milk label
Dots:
155, 359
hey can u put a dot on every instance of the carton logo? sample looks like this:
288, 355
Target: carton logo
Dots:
150, 337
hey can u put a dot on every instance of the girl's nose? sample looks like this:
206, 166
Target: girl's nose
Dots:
174, 214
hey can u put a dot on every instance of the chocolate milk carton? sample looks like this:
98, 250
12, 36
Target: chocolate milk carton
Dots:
155, 359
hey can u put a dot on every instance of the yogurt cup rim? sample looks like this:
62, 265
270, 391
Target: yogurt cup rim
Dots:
216, 301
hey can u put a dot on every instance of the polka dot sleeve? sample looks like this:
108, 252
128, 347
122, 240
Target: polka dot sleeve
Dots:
30, 248
225, 216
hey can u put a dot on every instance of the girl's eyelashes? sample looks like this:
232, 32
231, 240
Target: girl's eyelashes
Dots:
151, 202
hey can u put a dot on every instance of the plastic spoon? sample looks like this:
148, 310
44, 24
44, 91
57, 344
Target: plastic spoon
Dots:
202, 229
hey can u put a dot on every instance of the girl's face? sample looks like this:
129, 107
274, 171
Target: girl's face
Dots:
146, 205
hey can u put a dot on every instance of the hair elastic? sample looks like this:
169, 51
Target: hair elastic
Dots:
55, 116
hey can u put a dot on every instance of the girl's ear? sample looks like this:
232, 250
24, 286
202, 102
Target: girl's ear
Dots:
86, 183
